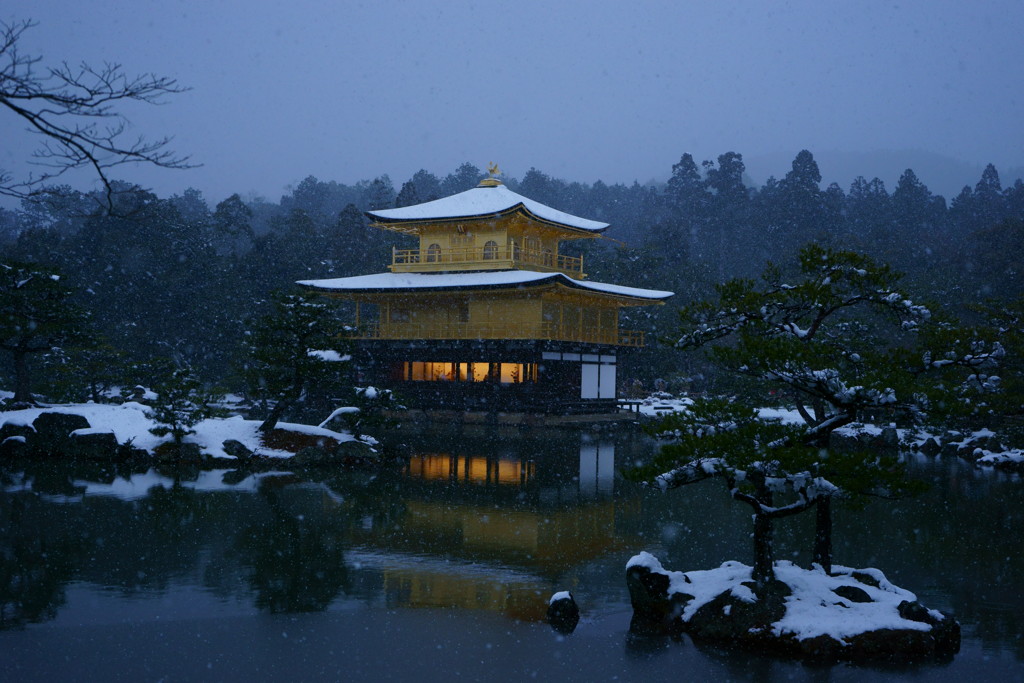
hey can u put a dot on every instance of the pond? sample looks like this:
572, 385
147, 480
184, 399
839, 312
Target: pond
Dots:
441, 566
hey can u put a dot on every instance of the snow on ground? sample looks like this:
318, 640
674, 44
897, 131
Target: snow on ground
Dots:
329, 355
784, 415
656, 405
1014, 456
811, 609
131, 422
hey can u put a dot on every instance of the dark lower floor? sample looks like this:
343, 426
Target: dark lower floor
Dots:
546, 377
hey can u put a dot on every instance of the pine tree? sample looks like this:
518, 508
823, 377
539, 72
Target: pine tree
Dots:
36, 315
407, 196
181, 404
801, 208
428, 186
286, 350
380, 194
838, 338
465, 177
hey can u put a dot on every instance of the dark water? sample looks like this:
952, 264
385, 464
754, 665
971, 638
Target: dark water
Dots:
441, 568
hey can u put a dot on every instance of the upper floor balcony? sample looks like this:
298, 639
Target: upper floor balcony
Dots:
490, 256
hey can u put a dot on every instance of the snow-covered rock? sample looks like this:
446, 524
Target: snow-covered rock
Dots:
848, 614
92, 430
563, 613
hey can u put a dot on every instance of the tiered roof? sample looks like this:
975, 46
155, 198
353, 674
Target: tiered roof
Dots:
502, 279
490, 199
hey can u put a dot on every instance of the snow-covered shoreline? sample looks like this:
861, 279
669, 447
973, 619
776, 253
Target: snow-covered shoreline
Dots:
982, 446
131, 422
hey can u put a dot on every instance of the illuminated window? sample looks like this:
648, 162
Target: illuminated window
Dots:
430, 372
515, 373
505, 373
479, 371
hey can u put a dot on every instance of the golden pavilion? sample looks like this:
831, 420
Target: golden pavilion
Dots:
487, 313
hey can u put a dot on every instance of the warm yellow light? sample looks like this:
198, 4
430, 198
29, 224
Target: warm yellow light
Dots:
476, 470
508, 373
509, 471
480, 371
430, 466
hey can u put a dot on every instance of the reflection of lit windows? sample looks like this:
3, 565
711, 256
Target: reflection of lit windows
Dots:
508, 471
473, 469
430, 467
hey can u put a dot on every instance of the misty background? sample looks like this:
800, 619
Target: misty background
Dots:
710, 137
583, 90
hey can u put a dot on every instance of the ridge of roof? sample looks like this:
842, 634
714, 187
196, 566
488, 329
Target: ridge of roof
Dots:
484, 201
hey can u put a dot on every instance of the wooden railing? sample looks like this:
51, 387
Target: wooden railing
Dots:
549, 331
483, 258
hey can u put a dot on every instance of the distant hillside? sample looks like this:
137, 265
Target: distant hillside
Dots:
943, 175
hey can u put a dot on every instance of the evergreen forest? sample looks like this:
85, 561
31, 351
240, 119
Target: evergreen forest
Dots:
182, 278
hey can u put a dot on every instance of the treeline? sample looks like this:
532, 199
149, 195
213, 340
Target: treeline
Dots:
178, 278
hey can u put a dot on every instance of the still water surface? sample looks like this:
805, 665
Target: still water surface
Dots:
440, 568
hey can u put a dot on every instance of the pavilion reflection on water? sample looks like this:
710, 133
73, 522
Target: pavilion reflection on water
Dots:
497, 532
596, 471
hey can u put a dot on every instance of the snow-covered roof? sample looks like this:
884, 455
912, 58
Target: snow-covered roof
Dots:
500, 279
482, 202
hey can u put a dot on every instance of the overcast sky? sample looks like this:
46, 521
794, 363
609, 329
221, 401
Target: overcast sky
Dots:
605, 90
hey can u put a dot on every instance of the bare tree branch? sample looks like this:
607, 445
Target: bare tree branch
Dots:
74, 112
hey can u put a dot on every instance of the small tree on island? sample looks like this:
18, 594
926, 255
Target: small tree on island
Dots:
181, 403
36, 315
838, 339
291, 346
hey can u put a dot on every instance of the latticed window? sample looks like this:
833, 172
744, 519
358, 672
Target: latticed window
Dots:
490, 250
434, 253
